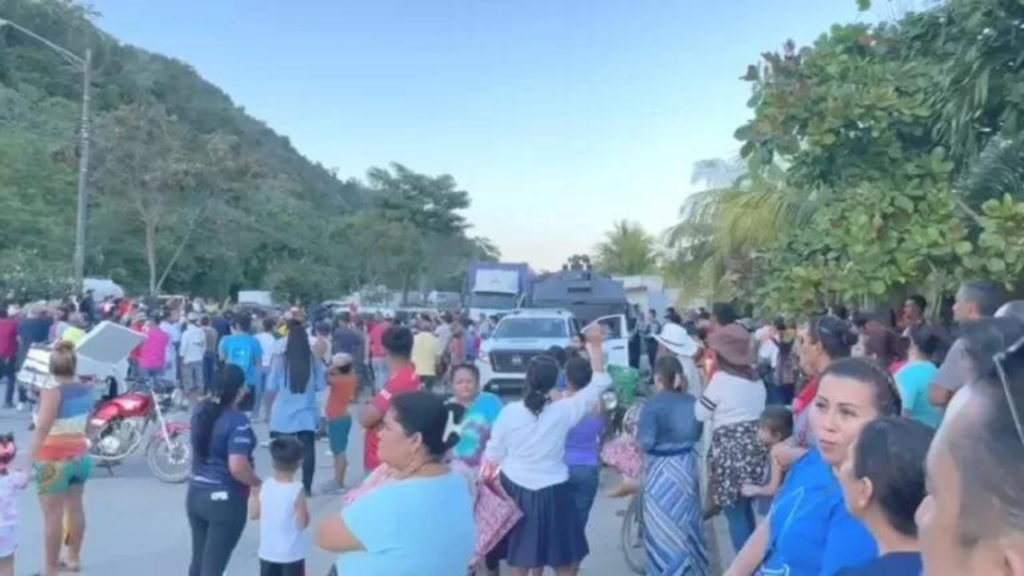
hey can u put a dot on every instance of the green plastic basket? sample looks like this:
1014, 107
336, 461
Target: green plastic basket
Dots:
624, 381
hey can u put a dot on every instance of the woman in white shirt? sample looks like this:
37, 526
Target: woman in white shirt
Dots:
527, 444
732, 403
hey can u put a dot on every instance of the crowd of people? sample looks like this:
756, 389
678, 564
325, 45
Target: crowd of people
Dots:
830, 445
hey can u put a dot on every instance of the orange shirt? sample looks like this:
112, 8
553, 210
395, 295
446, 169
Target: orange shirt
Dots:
342, 391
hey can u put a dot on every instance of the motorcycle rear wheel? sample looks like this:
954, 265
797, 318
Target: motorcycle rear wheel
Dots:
171, 462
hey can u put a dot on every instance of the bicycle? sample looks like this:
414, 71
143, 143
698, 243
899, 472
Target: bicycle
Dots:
631, 535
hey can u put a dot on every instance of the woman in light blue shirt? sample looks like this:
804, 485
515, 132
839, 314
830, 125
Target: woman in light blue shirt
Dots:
295, 378
928, 348
420, 524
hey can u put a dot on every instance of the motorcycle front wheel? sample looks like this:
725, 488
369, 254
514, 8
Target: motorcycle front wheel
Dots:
171, 461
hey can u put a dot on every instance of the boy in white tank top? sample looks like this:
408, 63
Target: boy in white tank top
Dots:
280, 506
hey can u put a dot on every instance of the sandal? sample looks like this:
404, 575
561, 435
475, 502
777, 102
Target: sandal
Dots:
65, 566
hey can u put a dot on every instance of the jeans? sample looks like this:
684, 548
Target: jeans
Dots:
380, 373
8, 369
217, 518
583, 482
151, 376
209, 367
308, 439
363, 378
740, 518
258, 389
276, 569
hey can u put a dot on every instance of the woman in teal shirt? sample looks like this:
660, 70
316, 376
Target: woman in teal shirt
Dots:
482, 409
421, 523
928, 347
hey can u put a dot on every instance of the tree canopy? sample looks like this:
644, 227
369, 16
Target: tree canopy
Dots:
188, 193
880, 159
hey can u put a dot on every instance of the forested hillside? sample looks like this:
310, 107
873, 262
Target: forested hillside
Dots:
187, 191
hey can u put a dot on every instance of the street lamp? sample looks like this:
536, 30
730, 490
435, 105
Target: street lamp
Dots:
85, 64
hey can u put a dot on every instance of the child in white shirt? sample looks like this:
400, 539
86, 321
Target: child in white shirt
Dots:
280, 506
11, 483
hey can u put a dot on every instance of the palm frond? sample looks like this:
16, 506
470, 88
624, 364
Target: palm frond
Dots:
998, 172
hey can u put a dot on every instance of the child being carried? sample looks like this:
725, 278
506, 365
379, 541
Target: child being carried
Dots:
776, 427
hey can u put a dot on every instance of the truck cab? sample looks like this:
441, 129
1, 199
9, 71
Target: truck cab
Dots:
524, 334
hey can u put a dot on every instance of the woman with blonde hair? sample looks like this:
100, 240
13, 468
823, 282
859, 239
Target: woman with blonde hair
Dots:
60, 460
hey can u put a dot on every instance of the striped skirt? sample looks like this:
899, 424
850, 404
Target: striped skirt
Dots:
673, 525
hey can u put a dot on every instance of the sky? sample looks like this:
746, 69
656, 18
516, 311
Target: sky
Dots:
559, 117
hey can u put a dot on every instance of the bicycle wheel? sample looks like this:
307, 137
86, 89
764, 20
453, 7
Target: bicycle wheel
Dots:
631, 536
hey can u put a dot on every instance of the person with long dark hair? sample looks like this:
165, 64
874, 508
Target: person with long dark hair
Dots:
222, 474
528, 444
823, 340
295, 379
667, 433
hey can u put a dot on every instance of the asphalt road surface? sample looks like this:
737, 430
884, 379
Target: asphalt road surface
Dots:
137, 525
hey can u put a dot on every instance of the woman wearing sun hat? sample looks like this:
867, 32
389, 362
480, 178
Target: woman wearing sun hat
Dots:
676, 341
732, 403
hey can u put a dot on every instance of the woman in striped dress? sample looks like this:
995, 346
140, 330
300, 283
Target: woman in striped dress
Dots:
667, 433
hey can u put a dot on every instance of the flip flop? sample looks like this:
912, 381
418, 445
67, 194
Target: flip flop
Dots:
65, 566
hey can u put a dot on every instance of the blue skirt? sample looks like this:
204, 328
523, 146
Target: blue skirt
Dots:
550, 532
673, 524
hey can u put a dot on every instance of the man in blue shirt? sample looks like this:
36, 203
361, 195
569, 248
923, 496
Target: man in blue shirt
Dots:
243, 350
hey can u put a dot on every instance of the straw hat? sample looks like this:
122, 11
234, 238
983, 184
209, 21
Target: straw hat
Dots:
677, 340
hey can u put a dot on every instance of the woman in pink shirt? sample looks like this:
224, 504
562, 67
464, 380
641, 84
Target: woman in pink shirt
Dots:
153, 353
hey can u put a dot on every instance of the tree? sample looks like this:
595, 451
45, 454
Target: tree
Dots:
627, 250
169, 181
411, 217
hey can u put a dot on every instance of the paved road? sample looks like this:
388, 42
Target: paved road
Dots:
137, 525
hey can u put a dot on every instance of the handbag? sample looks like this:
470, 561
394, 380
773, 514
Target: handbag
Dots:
495, 514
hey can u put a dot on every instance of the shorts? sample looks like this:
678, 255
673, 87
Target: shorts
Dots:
8, 541
192, 376
337, 434
58, 476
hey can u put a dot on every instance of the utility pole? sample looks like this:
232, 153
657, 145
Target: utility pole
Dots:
85, 64
83, 174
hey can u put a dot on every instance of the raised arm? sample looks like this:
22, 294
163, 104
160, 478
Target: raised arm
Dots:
583, 402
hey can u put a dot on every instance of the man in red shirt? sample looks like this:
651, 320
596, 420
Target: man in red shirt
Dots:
8, 353
397, 344
377, 356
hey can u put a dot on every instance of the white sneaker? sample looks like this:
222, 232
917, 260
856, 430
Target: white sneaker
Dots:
20, 407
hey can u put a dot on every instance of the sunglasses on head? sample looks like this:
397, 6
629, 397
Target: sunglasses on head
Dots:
1012, 358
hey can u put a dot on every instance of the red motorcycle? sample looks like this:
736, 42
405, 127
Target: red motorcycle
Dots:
120, 426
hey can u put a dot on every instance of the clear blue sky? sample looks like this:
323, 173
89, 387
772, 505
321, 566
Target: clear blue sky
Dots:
558, 116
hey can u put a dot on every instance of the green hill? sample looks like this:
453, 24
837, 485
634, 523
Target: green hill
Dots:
187, 191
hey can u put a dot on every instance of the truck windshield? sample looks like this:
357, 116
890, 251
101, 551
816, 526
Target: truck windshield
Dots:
531, 328
492, 301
